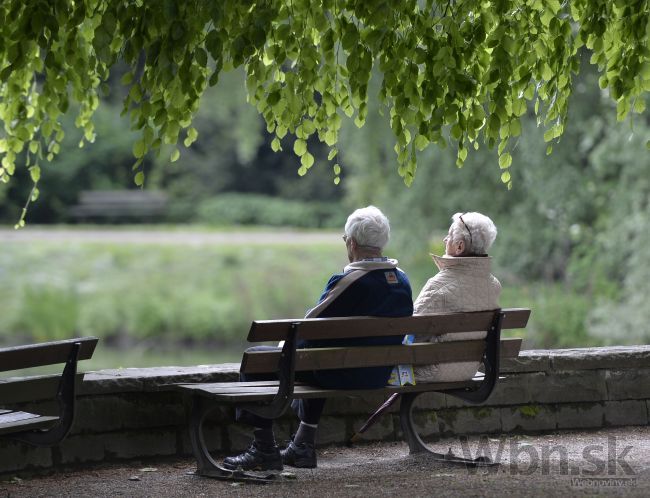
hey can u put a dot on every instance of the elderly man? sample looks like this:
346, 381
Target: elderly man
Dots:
464, 283
370, 285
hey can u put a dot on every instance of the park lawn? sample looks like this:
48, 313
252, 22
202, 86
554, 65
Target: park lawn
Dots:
157, 297
179, 304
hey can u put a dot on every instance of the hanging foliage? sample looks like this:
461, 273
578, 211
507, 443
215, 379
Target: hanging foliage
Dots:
460, 72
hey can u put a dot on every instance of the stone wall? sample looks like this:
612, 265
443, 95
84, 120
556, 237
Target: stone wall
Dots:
128, 413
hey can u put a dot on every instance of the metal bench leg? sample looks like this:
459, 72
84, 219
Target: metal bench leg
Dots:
206, 465
417, 446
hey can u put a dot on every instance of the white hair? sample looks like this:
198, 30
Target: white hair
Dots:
475, 229
368, 227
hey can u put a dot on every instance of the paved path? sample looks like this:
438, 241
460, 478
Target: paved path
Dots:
182, 236
604, 462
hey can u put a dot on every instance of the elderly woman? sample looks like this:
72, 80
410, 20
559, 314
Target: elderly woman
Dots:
464, 283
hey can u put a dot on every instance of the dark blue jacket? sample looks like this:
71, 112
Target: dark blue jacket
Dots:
377, 292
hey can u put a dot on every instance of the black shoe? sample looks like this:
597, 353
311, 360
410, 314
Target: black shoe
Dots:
256, 457
301, 455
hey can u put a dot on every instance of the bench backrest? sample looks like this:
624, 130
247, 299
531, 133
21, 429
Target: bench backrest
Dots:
45, 353
366, 356
120, 203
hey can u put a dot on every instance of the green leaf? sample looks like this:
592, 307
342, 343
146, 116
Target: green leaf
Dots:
549, 135
175, 155
35, 173
139, 148
332, 154
127, 78
139, 179
307, 160
299, 147
505, 160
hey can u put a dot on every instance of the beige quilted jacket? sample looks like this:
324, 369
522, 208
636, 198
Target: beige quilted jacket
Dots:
462, 284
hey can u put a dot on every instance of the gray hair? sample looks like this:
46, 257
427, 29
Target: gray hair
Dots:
475, 229
368, 227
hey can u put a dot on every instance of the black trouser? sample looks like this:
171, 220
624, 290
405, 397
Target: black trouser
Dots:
308, 410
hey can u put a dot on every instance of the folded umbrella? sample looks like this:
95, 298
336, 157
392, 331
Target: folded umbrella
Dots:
373, 418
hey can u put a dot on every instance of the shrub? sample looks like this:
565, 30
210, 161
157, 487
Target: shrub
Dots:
254, 209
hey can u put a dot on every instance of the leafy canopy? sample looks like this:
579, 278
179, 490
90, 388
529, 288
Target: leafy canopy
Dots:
461, 71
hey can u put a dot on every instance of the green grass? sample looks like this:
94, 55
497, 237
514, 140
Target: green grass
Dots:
144, 292
185, 305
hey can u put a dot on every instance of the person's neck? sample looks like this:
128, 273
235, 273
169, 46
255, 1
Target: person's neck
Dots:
361, 255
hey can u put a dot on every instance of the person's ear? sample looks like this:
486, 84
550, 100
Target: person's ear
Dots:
459, 247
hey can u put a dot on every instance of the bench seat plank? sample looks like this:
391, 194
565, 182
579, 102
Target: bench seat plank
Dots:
374, 356
355, 326
14, 421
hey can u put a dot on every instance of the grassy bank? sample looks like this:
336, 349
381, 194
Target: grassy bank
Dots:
140, 292
154, 304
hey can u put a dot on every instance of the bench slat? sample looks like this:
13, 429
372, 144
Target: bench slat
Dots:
12, 422
346, 327
45, 353
25, 389
239, 394
374, 356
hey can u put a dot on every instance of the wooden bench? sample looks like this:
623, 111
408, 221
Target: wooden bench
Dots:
271, 398
34, 428
120, 205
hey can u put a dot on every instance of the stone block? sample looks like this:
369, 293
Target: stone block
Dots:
476, 420
136, 444
633, 412
580, 415
613, 357
569, 387
16, 456
82, 449
212, 435
515, 389
527, 361
185, 445
429, 424
129, 411
111, 382
284, 428
528, 418
628, 384
332, 430
382, 430
428, 401
239, 437
150, 379
356, 405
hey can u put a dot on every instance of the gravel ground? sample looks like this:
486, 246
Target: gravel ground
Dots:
604, 462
